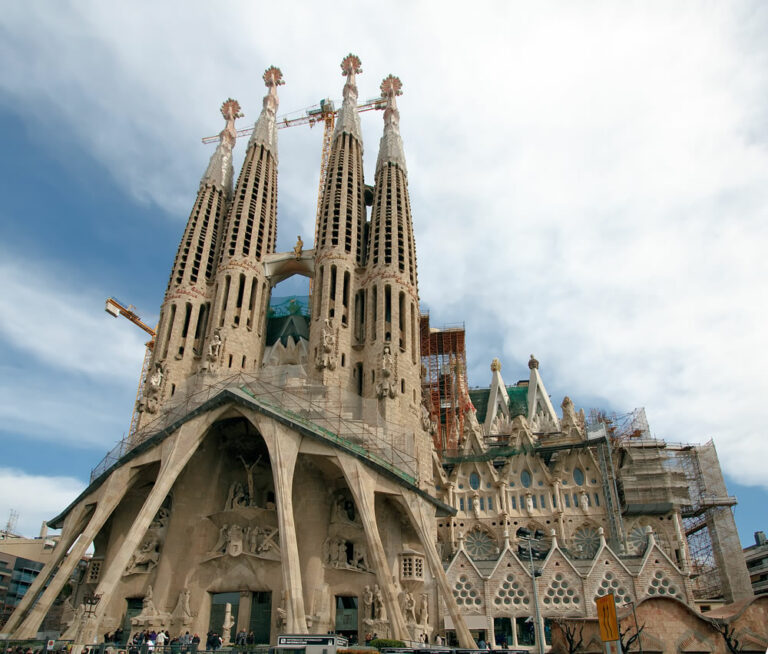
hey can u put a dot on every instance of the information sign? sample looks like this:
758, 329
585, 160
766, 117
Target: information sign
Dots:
606, 617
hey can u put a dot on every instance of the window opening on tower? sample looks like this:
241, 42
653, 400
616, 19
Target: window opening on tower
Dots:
319, 294
252, 303
202, 323
374, 311
332, 294
345, 300
168, 330
185, 329
239, 302
360, 316
401, 319
224, 300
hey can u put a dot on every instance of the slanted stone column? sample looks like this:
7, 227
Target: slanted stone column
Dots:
112, 492
283, 445
73, 526
177, 451
362, 484
421, 519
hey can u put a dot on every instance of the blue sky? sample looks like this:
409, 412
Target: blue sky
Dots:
588, 183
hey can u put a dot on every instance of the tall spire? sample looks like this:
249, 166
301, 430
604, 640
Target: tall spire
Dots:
265, 129
391, 145
348, 119
220, 171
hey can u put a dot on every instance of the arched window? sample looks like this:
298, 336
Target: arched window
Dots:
474, 481
578, 476
526, 479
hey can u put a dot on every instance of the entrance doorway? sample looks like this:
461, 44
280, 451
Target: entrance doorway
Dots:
260, 622
133, 608
346, 617
219, 603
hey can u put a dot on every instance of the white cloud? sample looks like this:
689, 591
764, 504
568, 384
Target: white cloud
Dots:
63, 409
35, 497
64, 328
587, 179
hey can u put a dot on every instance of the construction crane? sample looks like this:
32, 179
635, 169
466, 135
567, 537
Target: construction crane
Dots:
116, 308
324, 112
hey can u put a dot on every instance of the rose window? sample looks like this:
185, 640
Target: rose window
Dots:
637, 540
586, 541
479, 545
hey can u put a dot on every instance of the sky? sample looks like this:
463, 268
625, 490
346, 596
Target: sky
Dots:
588, 181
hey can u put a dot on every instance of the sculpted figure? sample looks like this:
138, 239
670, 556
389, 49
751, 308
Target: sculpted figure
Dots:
298, 248
359, 558
409, 607
584, 501
424, 610
427, 424
145, 558
253, 539
227, 624
342, 553
368, 602
235, 537
221, 543
239, 497
326, 355
529, 502
156, 380
147, 605
378, 603
386, 384
214, 347
282, 614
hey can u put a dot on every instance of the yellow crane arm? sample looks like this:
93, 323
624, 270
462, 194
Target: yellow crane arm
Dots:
115, 308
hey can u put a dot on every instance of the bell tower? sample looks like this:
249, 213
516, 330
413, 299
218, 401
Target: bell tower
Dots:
390, 285
185, 312
241, 295
339, 247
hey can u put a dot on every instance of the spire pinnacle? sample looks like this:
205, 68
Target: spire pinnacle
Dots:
265, 129
230, 109
348, 119
391, 146
220, 171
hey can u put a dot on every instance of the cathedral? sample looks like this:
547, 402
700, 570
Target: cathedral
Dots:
298, 473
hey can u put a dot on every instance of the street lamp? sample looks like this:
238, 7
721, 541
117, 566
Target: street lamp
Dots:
90, 602
525, 534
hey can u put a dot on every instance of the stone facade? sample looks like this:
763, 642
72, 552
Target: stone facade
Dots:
292, 486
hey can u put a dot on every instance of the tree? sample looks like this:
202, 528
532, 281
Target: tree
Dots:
572, 630
729, 635
626, 640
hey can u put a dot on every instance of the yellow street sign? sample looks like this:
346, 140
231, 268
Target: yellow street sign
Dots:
606, 617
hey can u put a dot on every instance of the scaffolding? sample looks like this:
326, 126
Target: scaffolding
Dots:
444, 384
632, 425
340, 417
698, 521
